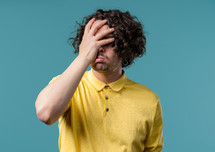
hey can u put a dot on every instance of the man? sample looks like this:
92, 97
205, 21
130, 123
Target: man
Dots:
101, 110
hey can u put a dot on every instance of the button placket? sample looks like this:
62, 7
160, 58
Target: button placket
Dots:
106, 98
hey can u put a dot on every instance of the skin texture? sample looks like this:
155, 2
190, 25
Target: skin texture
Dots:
91, 42
52, 101
109, 68
109, 59
107, 65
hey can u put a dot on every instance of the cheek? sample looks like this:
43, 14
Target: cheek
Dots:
117, 61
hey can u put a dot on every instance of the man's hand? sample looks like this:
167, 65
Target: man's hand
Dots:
53, 100
91, 42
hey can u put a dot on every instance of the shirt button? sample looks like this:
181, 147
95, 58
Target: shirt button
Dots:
106, 98
107, 109
106, 87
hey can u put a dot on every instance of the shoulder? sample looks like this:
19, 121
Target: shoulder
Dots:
143, 98
53, 78
141, 91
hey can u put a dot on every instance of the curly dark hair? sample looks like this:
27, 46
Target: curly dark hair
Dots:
129, 40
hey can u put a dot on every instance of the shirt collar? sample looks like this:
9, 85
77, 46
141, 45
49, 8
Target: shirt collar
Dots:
99, 85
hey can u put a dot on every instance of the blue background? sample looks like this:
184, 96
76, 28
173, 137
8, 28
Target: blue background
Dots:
179, 66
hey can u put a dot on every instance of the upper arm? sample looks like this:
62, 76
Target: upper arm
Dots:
155, 142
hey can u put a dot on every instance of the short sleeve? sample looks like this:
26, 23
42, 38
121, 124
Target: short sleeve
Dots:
155, 140
53, 79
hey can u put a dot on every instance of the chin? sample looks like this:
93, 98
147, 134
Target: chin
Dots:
100, 67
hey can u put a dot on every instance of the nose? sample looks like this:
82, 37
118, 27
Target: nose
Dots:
101, 50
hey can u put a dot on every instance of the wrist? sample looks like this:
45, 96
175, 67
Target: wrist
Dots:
84, 59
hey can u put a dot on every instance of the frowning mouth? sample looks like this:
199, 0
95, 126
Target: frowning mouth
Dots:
100, 59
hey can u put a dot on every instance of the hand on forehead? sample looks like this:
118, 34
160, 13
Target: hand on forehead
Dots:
104, 27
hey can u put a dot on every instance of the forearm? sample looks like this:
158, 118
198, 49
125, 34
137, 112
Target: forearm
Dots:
54, 98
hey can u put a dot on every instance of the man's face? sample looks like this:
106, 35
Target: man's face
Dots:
107, 60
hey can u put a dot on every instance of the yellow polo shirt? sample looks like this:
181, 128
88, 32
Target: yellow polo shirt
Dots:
122, 116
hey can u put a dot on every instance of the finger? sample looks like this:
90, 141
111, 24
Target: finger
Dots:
96, 26
104, 33
89, 24
105, 41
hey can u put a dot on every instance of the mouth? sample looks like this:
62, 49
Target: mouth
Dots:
99, 59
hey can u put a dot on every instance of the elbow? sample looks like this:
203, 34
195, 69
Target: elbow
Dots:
44, 115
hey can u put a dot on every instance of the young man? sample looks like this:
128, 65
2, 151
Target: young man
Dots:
101, 110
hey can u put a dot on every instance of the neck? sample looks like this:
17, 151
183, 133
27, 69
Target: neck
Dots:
108, 77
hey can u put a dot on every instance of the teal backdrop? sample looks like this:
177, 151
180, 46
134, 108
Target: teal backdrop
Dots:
179, 66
